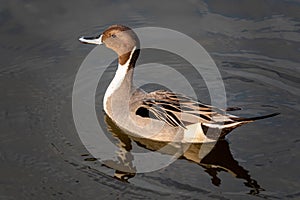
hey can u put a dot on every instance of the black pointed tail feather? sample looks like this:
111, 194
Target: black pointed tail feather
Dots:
240, 119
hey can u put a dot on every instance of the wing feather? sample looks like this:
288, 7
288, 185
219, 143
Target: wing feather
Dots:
168, 107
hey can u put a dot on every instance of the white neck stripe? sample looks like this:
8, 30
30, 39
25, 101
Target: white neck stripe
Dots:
117, 80
128, 61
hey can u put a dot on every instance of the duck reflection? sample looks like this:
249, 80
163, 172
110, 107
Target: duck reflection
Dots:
218, 157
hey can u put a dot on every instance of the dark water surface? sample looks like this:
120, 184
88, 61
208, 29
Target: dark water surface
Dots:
256, 46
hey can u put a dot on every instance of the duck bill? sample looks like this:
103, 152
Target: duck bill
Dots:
91, 40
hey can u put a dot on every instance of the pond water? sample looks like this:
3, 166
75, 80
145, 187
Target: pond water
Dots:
256, 46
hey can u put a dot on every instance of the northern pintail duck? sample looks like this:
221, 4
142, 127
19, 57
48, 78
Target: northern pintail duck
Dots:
159, 115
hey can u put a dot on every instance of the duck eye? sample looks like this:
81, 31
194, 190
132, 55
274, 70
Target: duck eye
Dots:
113, 36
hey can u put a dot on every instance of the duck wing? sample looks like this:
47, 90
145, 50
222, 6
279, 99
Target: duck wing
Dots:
178, 110
170, 108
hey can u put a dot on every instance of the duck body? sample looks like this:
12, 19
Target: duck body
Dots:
159, 115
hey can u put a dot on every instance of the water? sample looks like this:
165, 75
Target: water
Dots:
256, 47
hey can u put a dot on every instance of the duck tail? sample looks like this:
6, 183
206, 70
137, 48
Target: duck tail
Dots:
240, 119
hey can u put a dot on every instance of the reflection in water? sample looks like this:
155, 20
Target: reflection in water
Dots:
217, 160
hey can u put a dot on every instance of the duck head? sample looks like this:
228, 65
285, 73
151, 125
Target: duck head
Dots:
121, 39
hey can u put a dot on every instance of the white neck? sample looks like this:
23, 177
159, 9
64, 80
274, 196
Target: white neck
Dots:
117, 80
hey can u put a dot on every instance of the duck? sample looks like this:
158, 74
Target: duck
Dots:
160, 115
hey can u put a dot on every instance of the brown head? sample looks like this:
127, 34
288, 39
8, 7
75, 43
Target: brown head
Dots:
121, 39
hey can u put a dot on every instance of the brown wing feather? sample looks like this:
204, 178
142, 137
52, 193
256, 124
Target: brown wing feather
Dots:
178, 110
170, 107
